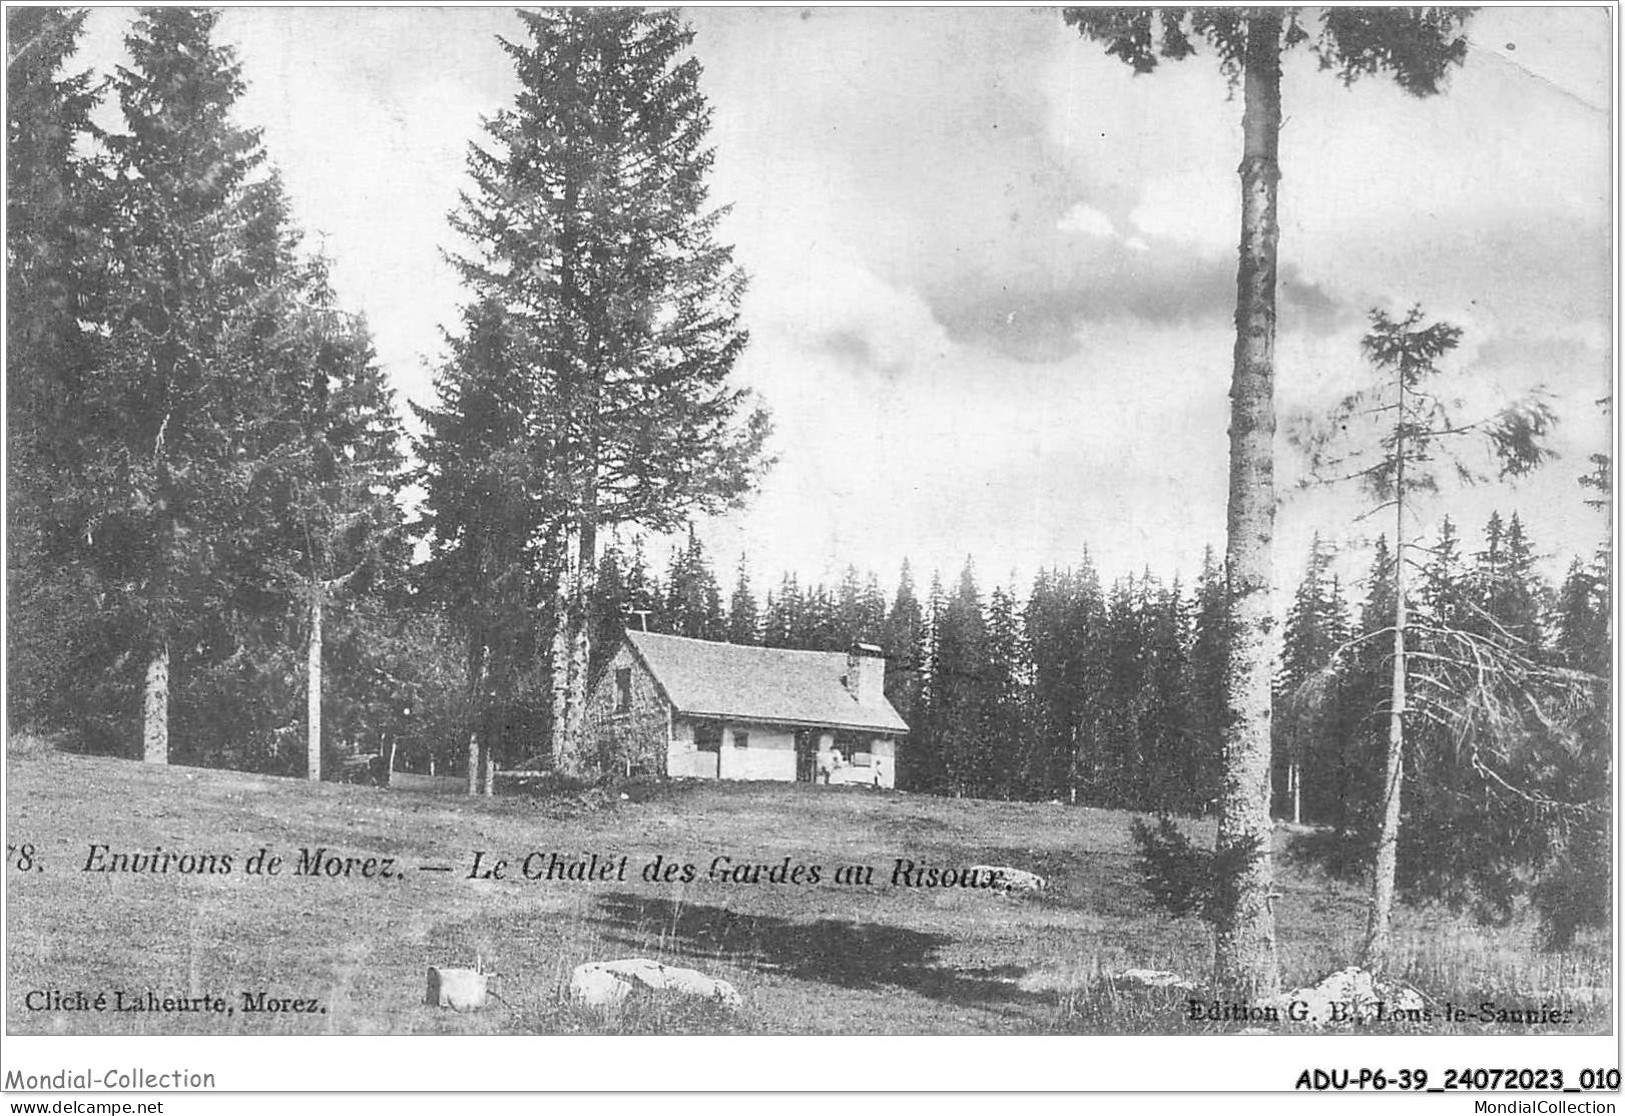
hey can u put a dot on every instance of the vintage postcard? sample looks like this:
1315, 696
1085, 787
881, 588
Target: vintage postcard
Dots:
864, 525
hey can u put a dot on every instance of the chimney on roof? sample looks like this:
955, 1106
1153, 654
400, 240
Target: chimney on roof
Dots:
865, 672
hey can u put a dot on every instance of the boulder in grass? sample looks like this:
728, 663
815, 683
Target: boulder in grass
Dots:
1352, 997
1153, 978
458, 989
607, 984
1011, 879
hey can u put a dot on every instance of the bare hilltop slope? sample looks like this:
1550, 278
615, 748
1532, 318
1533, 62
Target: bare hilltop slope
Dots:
209, 902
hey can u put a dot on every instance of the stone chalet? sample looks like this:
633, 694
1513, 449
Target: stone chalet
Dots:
666, 705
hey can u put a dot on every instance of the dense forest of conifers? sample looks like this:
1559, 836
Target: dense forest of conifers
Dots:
1112, 695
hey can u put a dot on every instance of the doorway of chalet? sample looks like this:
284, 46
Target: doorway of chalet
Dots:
806, 756
708, 741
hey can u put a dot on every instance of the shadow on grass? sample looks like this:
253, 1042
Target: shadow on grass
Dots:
852, 955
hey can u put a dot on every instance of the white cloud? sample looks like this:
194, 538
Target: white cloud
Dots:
1088, 221
1194, 209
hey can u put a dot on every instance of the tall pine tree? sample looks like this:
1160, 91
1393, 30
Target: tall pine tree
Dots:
901, 642
55, 274
160, 469
958, 685
1315, 632
594, 246
744, 621
487, 521
693, 599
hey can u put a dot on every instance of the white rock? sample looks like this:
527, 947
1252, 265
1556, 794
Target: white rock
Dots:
1047, 980
606, 984
1350, 997
1154, 978
458, 989
1011, 879
595, 986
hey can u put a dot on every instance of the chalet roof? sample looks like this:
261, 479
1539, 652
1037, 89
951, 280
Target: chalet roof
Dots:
768, 684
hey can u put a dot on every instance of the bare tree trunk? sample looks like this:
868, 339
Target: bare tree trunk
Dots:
155, 706
578, 464
572, 641
581, 643
566, 635
1072, 771
155, 697
1386, 869
1244, 955
313, 688
476, 689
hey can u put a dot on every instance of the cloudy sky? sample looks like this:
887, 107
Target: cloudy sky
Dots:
993, 272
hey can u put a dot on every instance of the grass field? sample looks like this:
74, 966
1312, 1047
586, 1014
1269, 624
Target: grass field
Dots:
824, 958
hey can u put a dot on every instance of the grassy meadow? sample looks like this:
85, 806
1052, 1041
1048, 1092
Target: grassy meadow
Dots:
824, 958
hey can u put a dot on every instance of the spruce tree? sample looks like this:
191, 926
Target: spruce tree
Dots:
901, 642
1357, 720
926, 766
482, 472
1209, 654
1576, 884
849, 618
958, 681
1412, 428
816, 621
781, 623
1119, 714
871, 611
693, 599
1005, 721
54, 253
1582, 620
1055, 610
55, 272
160, 470
1509, 595
1169, 725
744, 621
1045, 773
594, 249
1312, 637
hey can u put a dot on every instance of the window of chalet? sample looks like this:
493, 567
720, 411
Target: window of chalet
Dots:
854, 747
708, 736
623, 689
741, 738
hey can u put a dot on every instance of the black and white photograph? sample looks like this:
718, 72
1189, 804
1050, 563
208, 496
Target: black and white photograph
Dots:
732, 521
